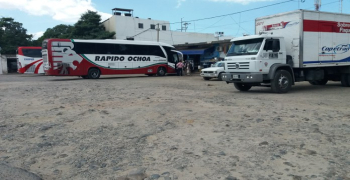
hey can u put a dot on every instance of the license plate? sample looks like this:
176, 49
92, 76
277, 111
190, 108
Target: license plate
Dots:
235, 76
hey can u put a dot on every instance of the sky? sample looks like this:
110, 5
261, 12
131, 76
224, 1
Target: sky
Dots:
202, 16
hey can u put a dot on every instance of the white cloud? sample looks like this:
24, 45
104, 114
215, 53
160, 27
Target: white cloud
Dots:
68, 11
240, 1
37, 35
179, 3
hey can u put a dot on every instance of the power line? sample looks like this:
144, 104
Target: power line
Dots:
140, 33
261, 7
233, 13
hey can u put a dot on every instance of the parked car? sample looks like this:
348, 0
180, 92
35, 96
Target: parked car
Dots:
214, 71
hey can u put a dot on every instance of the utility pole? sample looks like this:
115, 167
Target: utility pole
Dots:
158, 32
181, 25
186, 26
341, 6
317, 5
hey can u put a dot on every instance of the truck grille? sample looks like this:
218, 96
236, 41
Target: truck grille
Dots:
237, 65
208, 71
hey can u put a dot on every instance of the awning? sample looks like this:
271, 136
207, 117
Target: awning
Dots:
193, 51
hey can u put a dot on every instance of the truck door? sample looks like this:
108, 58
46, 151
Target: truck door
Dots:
326, 35
272, 53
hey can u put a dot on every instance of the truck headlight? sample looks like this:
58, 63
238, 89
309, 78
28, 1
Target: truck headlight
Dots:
249, 77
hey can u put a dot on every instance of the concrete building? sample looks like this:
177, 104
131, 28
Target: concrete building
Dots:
126, 26
3, 64
8, 63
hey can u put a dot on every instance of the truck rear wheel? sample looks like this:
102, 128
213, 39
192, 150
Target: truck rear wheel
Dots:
282, 82
94, 73
242, 86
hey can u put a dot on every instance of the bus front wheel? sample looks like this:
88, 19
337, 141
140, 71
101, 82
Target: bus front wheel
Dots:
94, 73
161, 71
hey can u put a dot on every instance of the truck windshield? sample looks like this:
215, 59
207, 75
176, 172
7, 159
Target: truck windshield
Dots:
245, 47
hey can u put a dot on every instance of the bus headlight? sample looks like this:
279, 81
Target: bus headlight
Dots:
249, 77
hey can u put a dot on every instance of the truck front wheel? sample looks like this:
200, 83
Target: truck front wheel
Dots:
282, 82
242, 86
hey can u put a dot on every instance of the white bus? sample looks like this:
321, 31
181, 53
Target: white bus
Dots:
92, 58
29, 60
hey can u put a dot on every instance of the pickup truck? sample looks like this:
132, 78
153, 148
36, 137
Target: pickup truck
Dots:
215, 71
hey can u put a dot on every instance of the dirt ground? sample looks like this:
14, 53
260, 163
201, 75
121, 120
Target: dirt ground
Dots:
140, 127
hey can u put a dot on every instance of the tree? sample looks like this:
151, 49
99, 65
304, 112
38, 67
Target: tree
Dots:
60, 31
12, 35
89, 27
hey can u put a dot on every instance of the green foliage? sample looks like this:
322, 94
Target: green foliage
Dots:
12, 35
60, 31
89, 27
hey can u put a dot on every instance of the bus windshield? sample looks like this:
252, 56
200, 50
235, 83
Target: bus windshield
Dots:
245, 47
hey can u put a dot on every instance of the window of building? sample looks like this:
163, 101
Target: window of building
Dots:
140, 25
164, 28
153, 26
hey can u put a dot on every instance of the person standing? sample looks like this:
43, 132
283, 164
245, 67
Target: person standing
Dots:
188, 69
179, 66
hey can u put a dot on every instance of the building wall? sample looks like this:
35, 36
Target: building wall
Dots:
126, 26
3, 64
110, 24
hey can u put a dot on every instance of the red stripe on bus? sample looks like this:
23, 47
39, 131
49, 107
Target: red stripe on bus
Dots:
326, 26
37, 68
25, 68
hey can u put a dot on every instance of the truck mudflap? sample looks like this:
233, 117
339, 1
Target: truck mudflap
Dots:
243, 77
